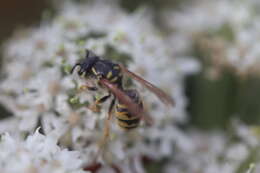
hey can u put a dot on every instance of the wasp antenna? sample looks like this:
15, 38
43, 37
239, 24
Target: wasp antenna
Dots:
73, 68
87, 53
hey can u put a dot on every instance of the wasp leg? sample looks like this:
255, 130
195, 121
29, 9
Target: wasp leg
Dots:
94, 107
86, 87
104, 139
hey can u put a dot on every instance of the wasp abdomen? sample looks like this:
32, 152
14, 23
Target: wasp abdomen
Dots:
128, 124
124, 119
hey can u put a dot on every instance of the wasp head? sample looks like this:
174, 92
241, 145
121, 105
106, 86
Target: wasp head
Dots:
86, 64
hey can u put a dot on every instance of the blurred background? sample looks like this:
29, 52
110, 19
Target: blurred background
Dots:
212, 103
15, 15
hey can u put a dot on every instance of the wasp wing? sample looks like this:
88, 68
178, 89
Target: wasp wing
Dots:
158, 92
132, 107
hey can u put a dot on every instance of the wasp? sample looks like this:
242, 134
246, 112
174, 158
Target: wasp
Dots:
108, 74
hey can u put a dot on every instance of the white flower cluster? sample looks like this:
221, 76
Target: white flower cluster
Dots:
216, 152
39, 90
38, 153
225, 31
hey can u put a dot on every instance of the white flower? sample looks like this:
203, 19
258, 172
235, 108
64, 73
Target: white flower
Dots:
38, 153
233, 23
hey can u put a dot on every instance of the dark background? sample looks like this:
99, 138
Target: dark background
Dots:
16, 13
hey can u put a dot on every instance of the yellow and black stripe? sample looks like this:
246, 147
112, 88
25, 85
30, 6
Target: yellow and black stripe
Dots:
124, 119
113, 73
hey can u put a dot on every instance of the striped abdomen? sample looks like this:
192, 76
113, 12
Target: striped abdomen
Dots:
124, 119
